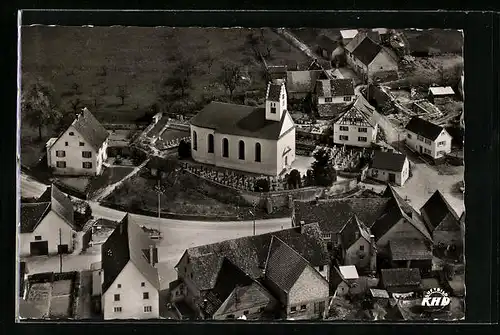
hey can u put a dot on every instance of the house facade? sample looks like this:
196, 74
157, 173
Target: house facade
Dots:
358, 245
257, 140
332, 95
427, 138
390, 167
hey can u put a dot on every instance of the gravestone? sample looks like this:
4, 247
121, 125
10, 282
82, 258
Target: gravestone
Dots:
269, 205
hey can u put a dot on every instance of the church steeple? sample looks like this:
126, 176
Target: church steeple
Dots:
275, 101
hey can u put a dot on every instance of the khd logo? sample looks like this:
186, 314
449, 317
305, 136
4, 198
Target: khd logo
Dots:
436, 298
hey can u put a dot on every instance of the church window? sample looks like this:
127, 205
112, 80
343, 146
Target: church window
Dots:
210, 143
257, 152
225, 147
241, 151
195, 141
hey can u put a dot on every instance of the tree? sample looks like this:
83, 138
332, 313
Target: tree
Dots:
182, 77
294, 179
75, 87
184, 149
75, 104
38, 106
122, 93
230, 78
323, 171
254, 41
262, 185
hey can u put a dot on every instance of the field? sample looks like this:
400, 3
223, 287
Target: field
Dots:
434, 41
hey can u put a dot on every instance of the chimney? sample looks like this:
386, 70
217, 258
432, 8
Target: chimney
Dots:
151, 254
373, 255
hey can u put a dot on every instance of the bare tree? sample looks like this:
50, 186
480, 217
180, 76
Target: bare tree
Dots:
122, 93
230, 78
182, 77
75, 104
76, 88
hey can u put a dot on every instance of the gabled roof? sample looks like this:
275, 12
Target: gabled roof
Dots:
127, 243
366, 51
239, 120
437, 211
250, 253
326, 43
400, 277
335, 87
390, 161
330, 111
246, 297
352, 231
404, 249
333, 214
61, 204
424, 128
359, 107
32, 214
303, 81
273, 92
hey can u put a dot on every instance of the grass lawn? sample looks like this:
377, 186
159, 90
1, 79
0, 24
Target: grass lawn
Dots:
109, 176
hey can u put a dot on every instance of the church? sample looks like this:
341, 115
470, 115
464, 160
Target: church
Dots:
259, 140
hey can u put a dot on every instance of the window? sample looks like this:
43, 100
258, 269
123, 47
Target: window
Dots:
60, 153
303, 307
71, 133
61, 164
143, 284
362, 130
245, 313
147, 309
321, 268
409, 136
117, 297
273, 110
344, 128
87, 165
210, 143
87, 154
361, 247
241, 150
293, 309
362, 139
225, 147
145, 295
117, 309
347, 98
195, 141
257, 152
282, 97
328, 99
441, 144
344, 138
66, 143
119, 285
38, 238
427, 151
427, 141
82, 144
420, 138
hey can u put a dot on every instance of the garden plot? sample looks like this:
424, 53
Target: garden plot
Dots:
39, 295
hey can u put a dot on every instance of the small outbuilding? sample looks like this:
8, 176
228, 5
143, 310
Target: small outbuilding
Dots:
390, 167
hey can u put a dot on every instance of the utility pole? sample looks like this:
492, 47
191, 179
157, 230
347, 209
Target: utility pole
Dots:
60, 251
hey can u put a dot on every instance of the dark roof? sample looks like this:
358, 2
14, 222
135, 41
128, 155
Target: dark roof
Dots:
391, 215
303, 81
273, 92
90, 129
61, 204
228, 278
333, 214
437, 210
400, 277
404, 249
352, 231
277, 69
330, 111
32, 214
388, 161
326, 43
250, 253
246, 297
284, 265
238, 120
128, 242
46, 195
424, 128
335, 87
367, 50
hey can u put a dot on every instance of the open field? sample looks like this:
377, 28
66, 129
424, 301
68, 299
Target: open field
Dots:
434, 41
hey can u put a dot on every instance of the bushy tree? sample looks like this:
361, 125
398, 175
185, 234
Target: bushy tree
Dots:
323, 171
262, 185
122, 93
182, 77
230, 78
184, 150
294, 179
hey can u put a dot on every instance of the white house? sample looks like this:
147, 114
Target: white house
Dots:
130, 282
436, 93
332, 95
80, 149
356, 126
254, 139
390, 167
427, 138
47, 228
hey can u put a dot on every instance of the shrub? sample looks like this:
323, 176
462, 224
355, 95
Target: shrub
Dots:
262, 185
184, 150
323, 172
137, 155
294, 179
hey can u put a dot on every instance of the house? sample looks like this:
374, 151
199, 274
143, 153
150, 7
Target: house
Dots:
198, 267
332, 95
235, 294
427, 138
329, 48
390, 167
48, 228
356, 126
437, 93
348, 35
443, 222
342, 279
358, 245
370, 60
246, 138
300, 84
411, 253
300, 288
403, 280
380, 297
277, 74
81, 149
383, 33
130, 282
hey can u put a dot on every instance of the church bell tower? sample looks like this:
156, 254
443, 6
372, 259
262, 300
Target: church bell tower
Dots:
275, 101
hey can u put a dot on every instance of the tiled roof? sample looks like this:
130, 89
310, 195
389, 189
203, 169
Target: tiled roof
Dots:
284, 265
240, 120
246, 297
32, 214
352, 231
128, 242
390, 161
61, 204
333, 214
366, 51
250, 253
303, 81
424, 128
436, 210
362, 106
335, 87
330, 110
326, 43
378, 293
273, 92
277, 69
391, 215
400, 277
90, 129
409, 249
46, 195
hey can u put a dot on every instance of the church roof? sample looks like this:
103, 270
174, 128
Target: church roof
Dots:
239, 120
